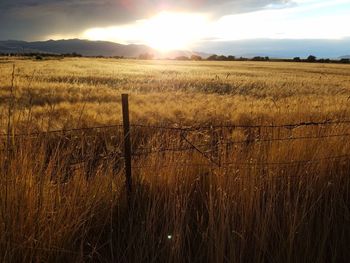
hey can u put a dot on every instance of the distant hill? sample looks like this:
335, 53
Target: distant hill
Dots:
179, 53
83, 47
347, 56
87, 48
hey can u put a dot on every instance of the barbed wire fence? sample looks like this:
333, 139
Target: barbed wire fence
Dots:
209, 150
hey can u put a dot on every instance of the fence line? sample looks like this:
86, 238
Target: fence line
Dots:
61, 131
286, 139
292, 163
185, 128
195, 147
250, 164
213, 160
288, 126
208, 127
117, 155
128, 154
228, 143
222, 165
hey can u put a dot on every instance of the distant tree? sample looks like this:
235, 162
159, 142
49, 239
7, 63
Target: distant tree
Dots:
297, 59
231, 58
196, 57
222, 58
219, 58
242, 59
146, 56
258, 58
311, 58
324, 60
345, 60
212, 57
182, 58
75, 54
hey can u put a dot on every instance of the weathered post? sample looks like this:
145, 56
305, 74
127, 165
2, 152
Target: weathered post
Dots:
215, 140
127, 143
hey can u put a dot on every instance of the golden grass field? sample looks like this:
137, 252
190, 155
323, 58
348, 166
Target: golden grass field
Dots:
279, 194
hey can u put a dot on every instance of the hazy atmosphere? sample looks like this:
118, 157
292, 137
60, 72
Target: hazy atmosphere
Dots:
280, 28
175, 131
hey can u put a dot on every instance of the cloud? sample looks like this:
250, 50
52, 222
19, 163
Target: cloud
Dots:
319, 20
35, 19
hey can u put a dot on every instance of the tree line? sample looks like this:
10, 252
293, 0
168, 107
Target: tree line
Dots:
309, 59
148, 56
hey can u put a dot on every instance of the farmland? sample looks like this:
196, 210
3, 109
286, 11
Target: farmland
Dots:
232, 161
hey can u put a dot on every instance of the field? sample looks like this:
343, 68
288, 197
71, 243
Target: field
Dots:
232, 161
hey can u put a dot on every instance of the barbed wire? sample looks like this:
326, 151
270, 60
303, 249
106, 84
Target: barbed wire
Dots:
118, 156
248, 164
231, 125
197, 147
210, 158
193, 147
296, 162
229, 142
186, 128
287, 139
162, 150
61, 131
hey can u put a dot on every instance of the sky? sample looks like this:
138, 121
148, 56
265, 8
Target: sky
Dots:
179, 24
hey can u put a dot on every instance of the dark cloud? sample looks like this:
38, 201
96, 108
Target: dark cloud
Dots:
35, 19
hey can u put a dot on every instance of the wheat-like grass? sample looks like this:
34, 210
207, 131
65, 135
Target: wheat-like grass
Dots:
260, 205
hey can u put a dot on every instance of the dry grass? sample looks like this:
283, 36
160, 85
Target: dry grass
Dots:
193, 92
183, 208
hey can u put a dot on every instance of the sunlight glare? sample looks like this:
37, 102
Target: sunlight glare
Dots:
168, 31
164, 32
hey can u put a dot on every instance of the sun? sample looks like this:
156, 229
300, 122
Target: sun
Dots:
165, 31
170, 31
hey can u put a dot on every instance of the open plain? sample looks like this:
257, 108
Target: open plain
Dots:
231, 161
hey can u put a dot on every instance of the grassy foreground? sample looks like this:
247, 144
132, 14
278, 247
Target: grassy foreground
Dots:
260, 205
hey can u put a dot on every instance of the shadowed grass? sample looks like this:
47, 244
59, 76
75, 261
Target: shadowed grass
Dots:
62, 195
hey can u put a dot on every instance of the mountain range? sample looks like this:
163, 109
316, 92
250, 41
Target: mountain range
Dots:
88, 48
335, 49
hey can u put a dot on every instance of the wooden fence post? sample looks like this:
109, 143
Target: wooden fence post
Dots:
127, 143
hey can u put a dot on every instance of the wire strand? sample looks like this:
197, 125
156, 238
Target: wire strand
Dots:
189, 128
